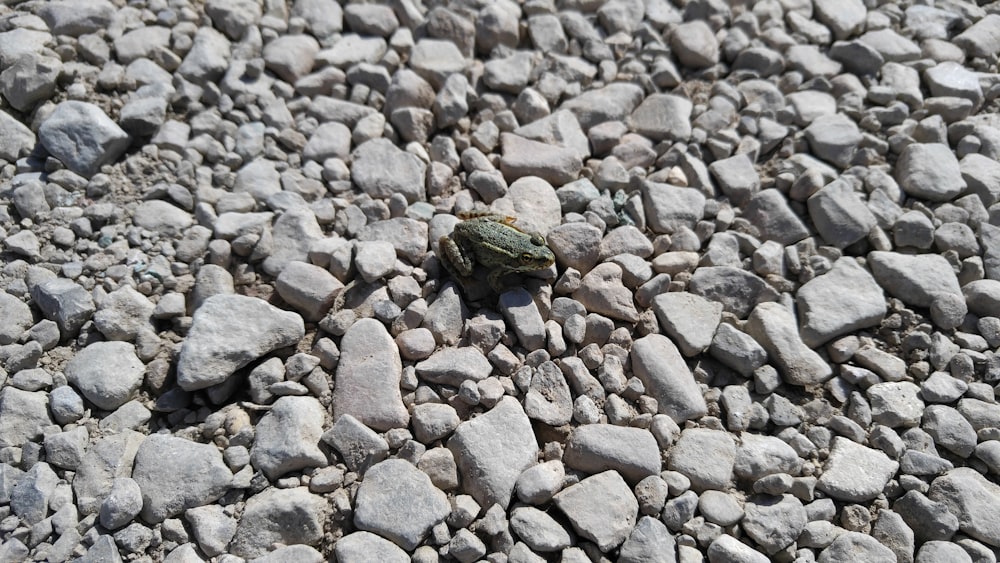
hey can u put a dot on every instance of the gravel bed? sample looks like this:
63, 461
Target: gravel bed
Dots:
228, 331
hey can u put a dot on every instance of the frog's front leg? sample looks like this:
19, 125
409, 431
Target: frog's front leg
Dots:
494, 280
457, 260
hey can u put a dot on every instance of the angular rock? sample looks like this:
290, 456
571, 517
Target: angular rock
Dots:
378, 508
175, 474
359, 446
914, 279
826, 311
107, 373
452, 366
738, 290
548, 399
854, 473
284, 516
602, 291
365, 546
840, 216
706, 457
65, 302
380, 170
82, 136
492, 450
525, 157
774, 327
689, 319
287, 437
368, 376
227, 333
855, 546
774, 521
667, 378
16, 140
540, 531
929, 171
632, 452
662, 117
601, 508
670, 207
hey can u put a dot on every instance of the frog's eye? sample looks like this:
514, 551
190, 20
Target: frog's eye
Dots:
526, 258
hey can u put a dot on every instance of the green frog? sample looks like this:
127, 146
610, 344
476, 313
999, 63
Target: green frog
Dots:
492, 241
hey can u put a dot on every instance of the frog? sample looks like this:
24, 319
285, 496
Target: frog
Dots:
494, 242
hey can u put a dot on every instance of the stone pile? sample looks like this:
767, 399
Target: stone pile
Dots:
770, 333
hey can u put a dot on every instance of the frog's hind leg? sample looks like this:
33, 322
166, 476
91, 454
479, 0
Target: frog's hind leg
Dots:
488, 216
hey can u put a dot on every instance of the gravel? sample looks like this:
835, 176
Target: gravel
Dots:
770, 331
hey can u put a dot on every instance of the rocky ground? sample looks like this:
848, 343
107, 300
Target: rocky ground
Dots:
769, 334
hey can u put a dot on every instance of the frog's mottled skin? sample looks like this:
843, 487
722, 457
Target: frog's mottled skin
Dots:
493, 242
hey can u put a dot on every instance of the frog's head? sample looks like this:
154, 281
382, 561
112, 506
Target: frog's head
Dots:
536, 255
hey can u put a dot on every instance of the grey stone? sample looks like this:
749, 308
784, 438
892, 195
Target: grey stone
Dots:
358, 547
76, 19
854, 473
758, 456
212, 527
593, 448
538, 483
773, 326
839, 214
526, 157
982, 176
16, 140
896, 404
601, 508
891, 531
359, 446
689, 319
826, 311
704, 456
857, 547
65, 302
834, 138
736, 177
914, 279
30, 497
843, 18
929, 171
162, 217
291, 56
285, 516
942, 551
208, 59
294, 232
981, 38
368, 377
124, 314
929, 519
538, 530
727, 548
452, 366
548, 399
30, 80
175, 474
737, 350
720, 508
227, 333
378, 509
109, 457
408, 236
614, 102
66, 449
308, 288
983, 297
107, 373
522, 314
670, 207
649, 542
17, 318
773, 522
662, 117
287, 437
695, 44
950, 430
123, 503
769, 212
667, 378
914, 229
492, 450
82, 136
602, 291
576, 245
434, 421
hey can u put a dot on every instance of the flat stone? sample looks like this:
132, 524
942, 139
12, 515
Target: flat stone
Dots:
65, 17
17, 318
378, 508
854, 473
162, 217
914, 279
773, 522
826, 311
662, 117
522, 315
380, 169
31, 495
736, 177
368, 377
451, 366
649, 542
769, 212
728, 548
227, 333
594, 448
16, 140
834, 138
613, 102
358, 547
950, 430
706, 457
540, 531
667, 378
670, 207
433, 421
525, 157
759, 456
929, 519
774, 327
603, 292
601, 508
359, 446
738, 290
212, 528
65, 302
109, 457
855, 546
175, 474
896, 404
287, 437
82, 136
108, 374
124, 314
840, 216
293, 234
283, 516
492, 450
981, 38
843, 18
689, 319
548, 399
929, 171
